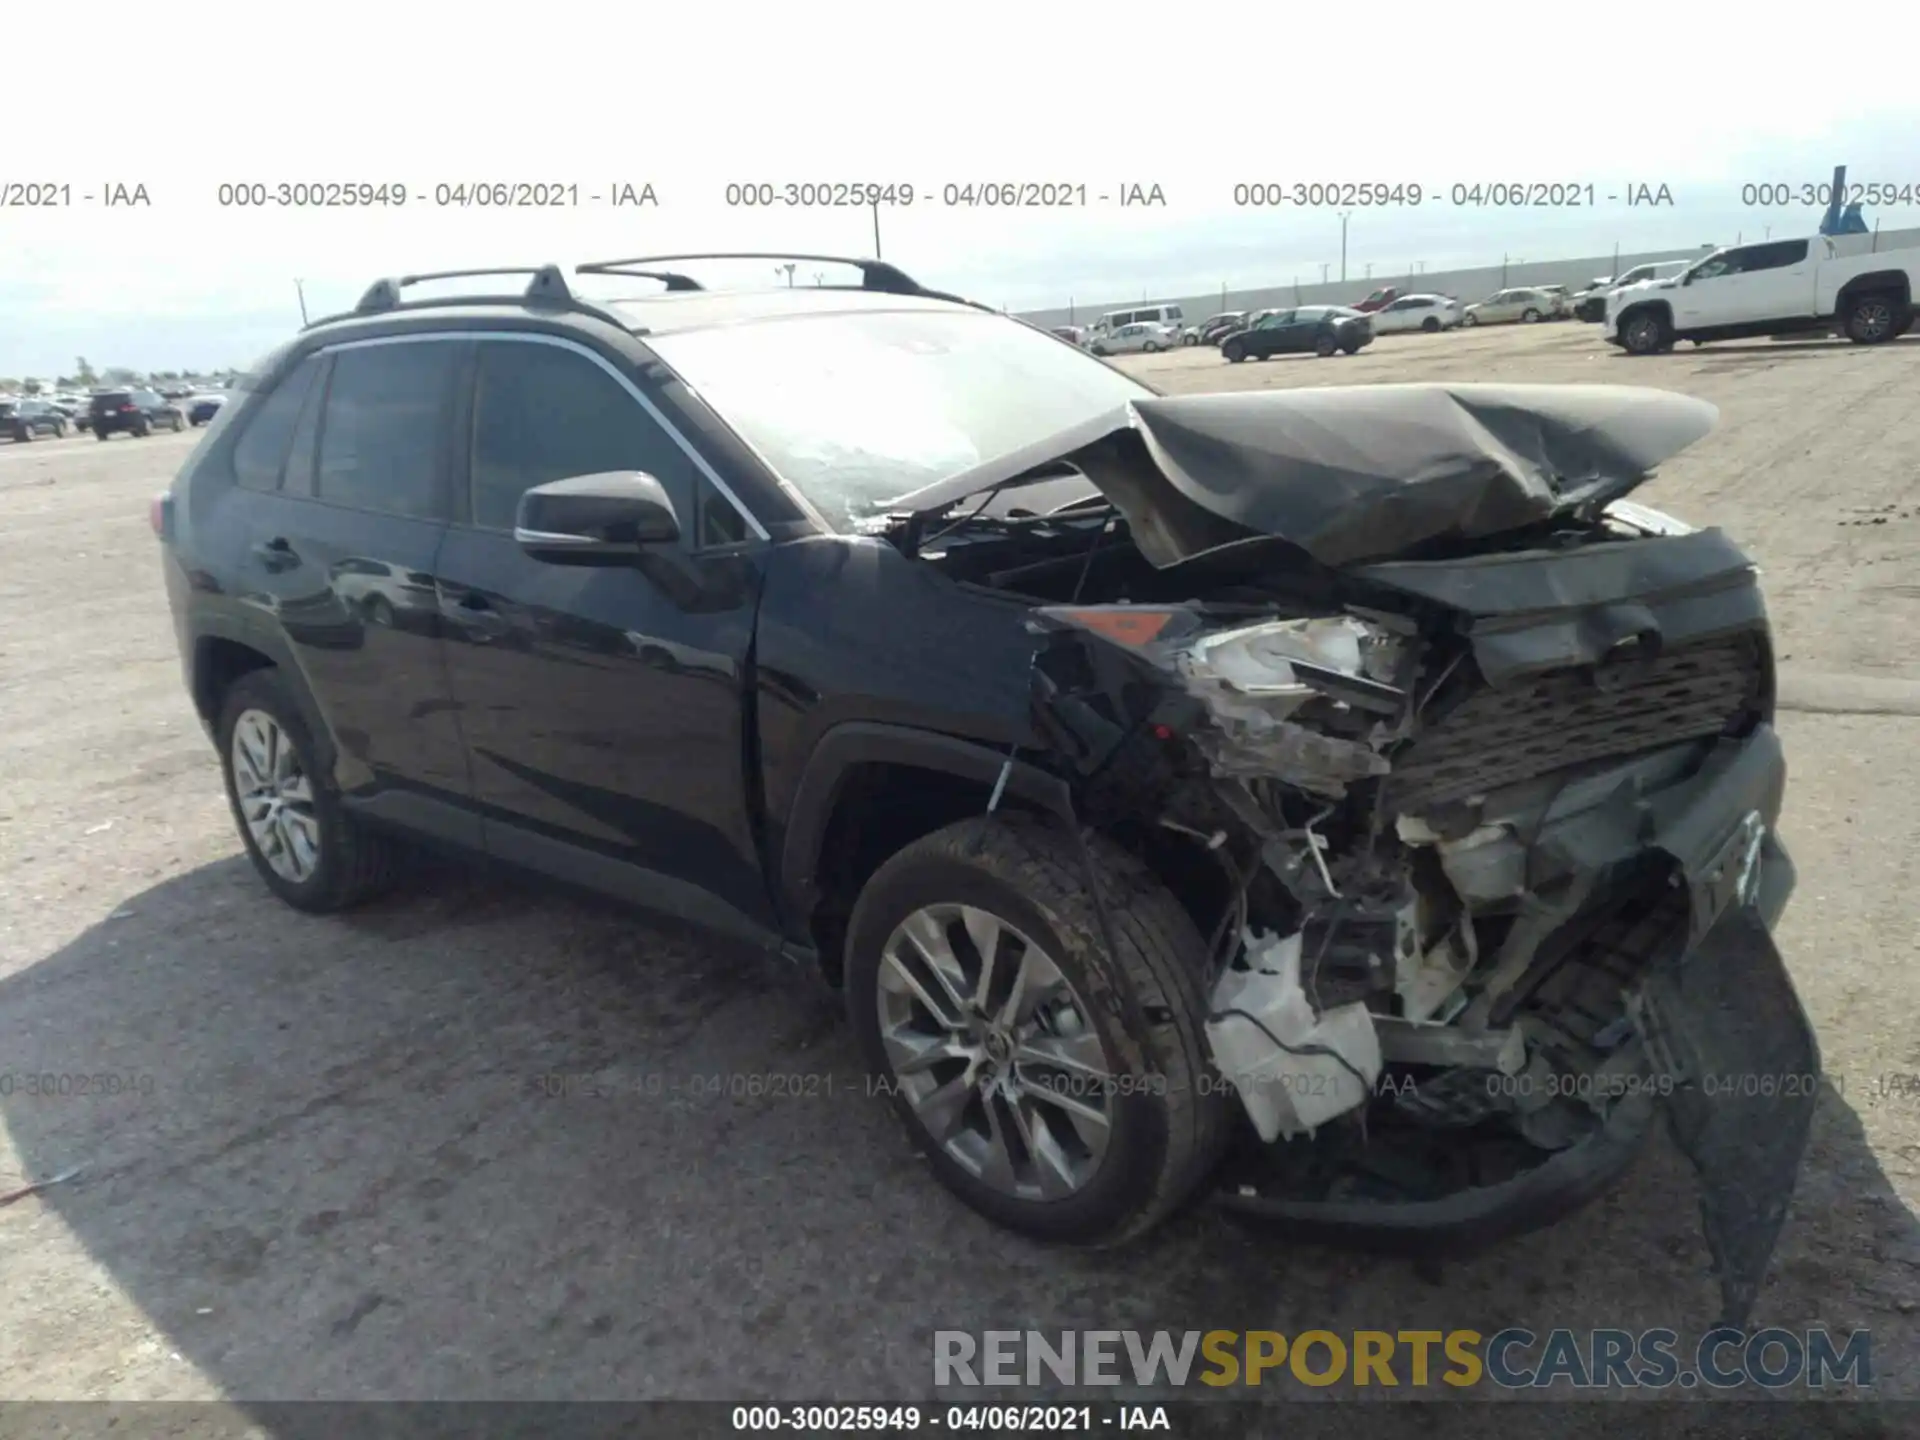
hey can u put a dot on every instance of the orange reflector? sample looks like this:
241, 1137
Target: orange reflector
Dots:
1123, 627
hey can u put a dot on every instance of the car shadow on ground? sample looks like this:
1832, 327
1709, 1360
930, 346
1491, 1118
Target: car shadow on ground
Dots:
489, 1142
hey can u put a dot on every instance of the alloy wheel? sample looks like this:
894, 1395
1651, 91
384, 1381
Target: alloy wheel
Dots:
1872, 320
995, 1052
1642, 335
275, 796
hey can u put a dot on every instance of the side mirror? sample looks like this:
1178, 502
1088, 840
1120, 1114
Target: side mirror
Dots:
604, 519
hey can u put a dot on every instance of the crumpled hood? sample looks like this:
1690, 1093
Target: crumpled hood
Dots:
1365, 472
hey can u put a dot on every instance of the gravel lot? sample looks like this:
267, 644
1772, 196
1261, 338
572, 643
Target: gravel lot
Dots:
333, 1170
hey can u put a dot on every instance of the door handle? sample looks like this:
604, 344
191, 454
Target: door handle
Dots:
276, 554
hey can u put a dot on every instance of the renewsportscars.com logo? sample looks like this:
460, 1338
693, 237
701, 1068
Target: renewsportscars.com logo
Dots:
1511, 1359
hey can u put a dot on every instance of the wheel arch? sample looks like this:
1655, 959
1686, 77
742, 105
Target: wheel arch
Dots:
1893, 281
1641, 307
223, 653
868, 790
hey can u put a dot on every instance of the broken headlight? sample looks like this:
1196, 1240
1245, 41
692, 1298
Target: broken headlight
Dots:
1279, 660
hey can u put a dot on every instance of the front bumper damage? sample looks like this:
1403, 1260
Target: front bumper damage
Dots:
1508, 974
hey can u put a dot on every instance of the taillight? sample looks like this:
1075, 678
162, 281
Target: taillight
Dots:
160, 514
126, 409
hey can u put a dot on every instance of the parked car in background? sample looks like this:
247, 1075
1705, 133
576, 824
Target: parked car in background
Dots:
1562, 298
1320, 329
136, 411
1146, 337
1526, 304
23, 420
1214, 327
1417, 312
202, 408
1779, 287
1378, 300
1591, 304
1116, 320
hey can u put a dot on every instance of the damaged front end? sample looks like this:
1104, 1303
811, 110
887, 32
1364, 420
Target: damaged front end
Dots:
1483, 918
1470, 767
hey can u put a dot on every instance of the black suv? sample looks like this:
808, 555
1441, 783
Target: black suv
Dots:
135, 411
1159, 776
27, 419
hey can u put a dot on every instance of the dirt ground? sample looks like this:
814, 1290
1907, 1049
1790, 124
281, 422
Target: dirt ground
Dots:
329, 1163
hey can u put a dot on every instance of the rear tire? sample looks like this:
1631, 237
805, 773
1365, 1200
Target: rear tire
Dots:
1325, 346
1141, 1009
1234, 353
1874, 319
354, 863
1151, 347
1430, 325
1529, 317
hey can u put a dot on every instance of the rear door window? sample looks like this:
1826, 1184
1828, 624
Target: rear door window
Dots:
1777, 255
382, 429
260, 454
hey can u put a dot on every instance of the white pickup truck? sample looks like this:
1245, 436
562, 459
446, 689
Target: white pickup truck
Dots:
1774, 288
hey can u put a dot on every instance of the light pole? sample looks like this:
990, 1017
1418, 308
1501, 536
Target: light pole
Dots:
789, 268
876, 229
300, 289
1345, 215
1369, 270
1323, 272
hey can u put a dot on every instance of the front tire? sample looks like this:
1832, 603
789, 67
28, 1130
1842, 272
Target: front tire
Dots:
1325, 346
1646, 332
1059, 1090
1470, 319
301, 840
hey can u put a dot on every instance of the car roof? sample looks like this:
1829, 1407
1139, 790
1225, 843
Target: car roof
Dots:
666, 312
701, 309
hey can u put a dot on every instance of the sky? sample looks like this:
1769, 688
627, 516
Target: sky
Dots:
1118, 96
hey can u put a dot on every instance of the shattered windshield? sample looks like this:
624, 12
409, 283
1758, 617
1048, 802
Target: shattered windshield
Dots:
854, 409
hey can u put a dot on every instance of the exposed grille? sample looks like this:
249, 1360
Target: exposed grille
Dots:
1498, 737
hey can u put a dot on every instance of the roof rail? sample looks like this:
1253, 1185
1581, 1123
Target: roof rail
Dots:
876, 275
673, 280
548, 287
